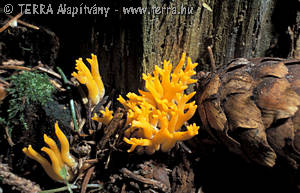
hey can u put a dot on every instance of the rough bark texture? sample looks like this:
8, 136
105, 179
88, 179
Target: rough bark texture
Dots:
234, 29
129, 44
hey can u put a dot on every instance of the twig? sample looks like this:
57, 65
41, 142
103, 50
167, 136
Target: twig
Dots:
212, 59
89, 113
19, 183
154, 183
113, 146
26, 24
63, 76
13, 62
57, 85
81, 124
108, 159
9, 140
71, 100
99, 186
123, 189
11, 67
87, 179
4, 82
184, 147
49, 71
91, 161
10, 21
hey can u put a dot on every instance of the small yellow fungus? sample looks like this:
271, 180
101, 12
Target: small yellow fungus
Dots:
61, 160
107, 116
92, 80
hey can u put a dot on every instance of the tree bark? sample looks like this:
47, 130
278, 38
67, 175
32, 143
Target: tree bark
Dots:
129, 44
233, 29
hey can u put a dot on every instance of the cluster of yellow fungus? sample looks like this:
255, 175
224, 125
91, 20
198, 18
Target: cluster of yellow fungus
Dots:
62, 161
106, 116
155, 118
92, 80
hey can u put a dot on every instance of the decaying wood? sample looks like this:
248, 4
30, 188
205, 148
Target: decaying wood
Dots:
183, 178
252, 106
110, 129
233, 29
18, 183
156, 184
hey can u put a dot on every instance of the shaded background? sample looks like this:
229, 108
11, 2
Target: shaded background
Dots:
127, 45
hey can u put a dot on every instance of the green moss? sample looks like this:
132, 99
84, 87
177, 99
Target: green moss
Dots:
28, 88
33, 86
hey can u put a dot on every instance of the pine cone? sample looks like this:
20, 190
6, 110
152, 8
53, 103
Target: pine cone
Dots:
251, 106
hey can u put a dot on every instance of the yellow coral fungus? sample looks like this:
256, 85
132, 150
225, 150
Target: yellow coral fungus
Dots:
92, 80
107, 116
155, 117
65, 152
62, 161
30, 152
